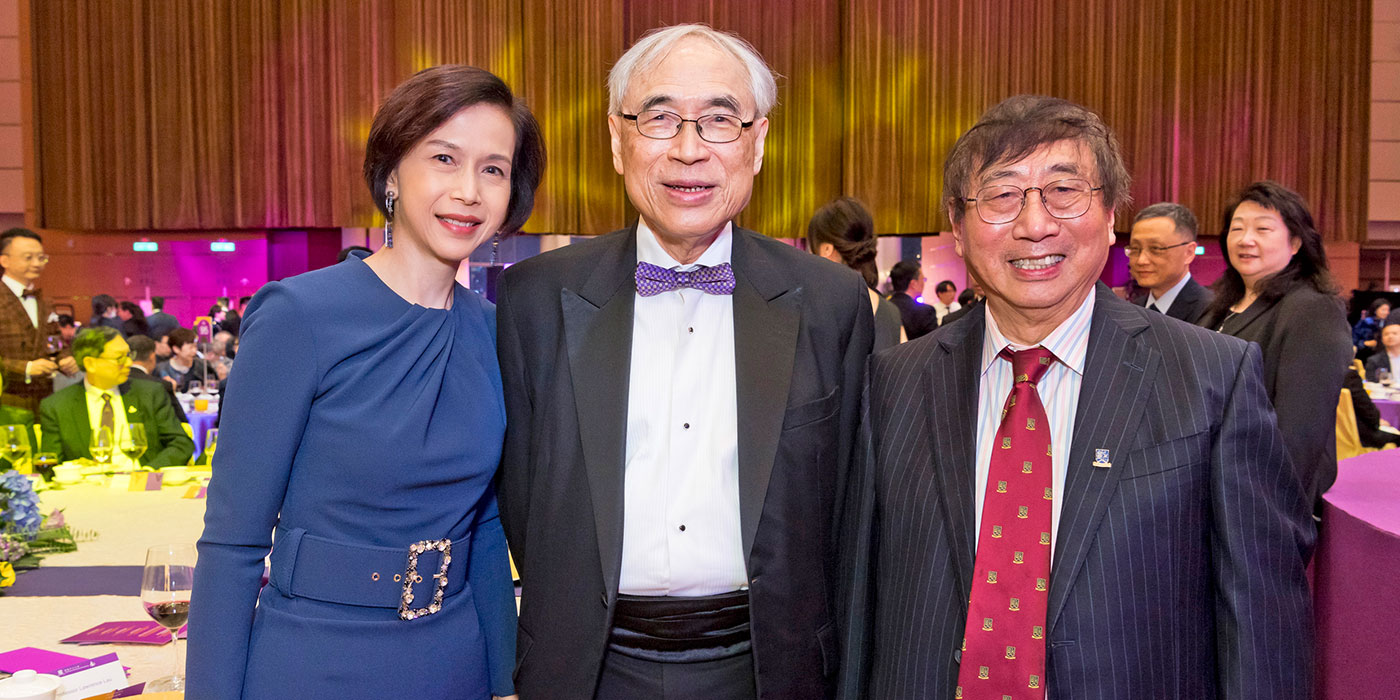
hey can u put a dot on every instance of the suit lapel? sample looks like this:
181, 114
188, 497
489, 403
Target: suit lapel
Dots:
952, 410
767, 314
1119, 368
598, 336
78, 418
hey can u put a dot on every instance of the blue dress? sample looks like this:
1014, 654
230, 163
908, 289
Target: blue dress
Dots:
367, 420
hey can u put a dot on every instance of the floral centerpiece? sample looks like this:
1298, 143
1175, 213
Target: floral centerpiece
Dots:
26, 535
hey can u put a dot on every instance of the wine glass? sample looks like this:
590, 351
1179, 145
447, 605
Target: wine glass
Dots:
53, 345
133, 443
166, 583
101, 445
211, 443
14, 443
44, 462
1385, 378
211, 387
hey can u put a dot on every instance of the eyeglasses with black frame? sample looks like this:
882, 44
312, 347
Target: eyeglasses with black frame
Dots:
1155, 251
1062, 199
660, 124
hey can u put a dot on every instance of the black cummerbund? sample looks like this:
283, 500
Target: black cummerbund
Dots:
668, 629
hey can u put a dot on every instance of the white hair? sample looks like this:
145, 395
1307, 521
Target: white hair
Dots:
651, 48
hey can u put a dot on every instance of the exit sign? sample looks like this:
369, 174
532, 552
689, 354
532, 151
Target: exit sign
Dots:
145, 246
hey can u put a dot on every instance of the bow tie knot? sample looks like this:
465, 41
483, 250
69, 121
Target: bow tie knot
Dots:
654, 279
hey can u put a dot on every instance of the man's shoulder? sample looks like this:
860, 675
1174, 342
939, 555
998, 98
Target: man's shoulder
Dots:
1166, 332
65, 395
1377, 360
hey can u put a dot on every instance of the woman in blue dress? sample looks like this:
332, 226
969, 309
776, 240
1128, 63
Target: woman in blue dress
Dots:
363, 423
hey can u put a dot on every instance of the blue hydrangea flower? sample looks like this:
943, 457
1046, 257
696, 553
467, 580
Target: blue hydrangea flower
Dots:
20, 506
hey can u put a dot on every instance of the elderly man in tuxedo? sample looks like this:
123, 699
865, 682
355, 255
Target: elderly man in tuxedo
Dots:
1065, 495
681, 400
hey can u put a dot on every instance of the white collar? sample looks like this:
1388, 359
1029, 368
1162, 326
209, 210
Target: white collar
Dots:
1069, 341
1165, 302
94, 391
15, 286
649, 249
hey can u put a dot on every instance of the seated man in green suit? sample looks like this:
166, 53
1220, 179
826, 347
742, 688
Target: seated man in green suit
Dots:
106, 399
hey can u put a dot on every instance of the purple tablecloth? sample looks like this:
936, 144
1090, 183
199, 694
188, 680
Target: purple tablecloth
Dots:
1390, 410
200, 423
1357, 571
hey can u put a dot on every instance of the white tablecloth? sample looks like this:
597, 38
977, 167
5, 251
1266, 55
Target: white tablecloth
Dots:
127, 523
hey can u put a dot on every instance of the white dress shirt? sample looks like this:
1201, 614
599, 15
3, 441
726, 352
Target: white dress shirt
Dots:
680, 525
941, 309
1059, 393
31, 305
1165, 302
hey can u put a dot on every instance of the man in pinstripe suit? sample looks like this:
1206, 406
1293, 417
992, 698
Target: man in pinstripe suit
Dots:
1165, 557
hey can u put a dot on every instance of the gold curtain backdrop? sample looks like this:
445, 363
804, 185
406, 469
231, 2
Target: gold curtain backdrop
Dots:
229, 114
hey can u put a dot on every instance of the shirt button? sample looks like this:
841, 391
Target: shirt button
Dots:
686, 426
682, 528
691, 330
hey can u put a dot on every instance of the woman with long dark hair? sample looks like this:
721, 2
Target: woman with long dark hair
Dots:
1277, 292
843, 232
364, 424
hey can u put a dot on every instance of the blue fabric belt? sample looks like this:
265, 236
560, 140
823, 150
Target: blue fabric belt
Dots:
307, 566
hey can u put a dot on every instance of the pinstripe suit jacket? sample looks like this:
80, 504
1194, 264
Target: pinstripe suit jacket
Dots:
1178, 571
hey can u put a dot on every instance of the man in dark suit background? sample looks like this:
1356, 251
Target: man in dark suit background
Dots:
143, 367
106, 400
1160, 250
160, 323
681, 401
1390, 347
1065, 495
907, 282
24, 324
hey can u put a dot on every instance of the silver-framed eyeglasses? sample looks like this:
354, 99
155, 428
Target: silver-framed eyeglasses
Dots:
1063, 199
717, 127
1155, 251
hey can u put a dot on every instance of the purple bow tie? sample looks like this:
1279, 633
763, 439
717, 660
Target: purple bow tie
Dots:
653, 280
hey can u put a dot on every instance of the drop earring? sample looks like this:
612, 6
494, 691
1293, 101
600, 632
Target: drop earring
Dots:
495, 248
389, 220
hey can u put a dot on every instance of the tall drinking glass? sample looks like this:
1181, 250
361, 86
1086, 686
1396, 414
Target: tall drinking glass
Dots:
133, 443
166, 583
14, 443
102, 444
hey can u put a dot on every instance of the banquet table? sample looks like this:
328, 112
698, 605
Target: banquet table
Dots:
200, 423
1389, 410
1357, 584
126, 522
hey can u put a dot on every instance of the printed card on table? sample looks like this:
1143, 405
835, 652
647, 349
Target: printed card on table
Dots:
40, 660
103, 674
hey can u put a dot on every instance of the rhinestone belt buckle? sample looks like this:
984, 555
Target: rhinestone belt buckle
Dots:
411, 577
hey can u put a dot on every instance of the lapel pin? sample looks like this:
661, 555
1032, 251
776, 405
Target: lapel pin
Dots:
1101, 458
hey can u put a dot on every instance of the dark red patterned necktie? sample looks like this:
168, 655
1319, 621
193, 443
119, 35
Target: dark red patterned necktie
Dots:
1003, 654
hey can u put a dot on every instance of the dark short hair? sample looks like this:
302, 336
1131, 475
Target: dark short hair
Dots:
1377, 304
904, 272
16, 232
429, 99
945, 286
180, 337
1181, 217
158, 303
243, 301
966, 296
1018, 126
64, 320
101, 303
132, 308
346, 251
1307, 267
142, 348
90, 341
847, 226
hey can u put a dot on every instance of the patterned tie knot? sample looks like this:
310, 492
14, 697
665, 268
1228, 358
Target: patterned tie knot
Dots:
1029, 365
654, 279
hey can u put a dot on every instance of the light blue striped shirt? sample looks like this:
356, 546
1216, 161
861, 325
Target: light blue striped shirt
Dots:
1059, 393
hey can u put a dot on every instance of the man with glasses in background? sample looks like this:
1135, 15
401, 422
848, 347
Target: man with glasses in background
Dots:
31, 351
1160, 250
1083, 499
681, 404
105, 400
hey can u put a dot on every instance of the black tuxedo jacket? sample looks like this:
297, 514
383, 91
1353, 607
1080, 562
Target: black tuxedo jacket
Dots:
1375, 363
1190, 303
919, 319
802, 331
1178, 571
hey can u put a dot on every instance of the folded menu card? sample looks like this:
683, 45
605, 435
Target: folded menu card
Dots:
142, 632
87, 678
40, 660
